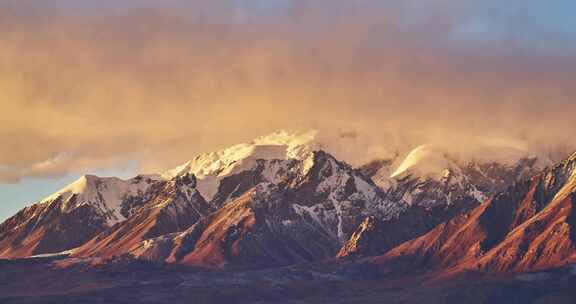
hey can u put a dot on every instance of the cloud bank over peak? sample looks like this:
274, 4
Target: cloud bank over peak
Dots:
95, 84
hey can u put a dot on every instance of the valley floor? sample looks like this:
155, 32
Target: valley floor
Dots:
41, 281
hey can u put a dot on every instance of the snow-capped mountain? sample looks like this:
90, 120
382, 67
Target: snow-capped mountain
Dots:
292, 217
210, 168
428, 176
105, 194
105, 201
276, 199
529, 226
172, 206
436, 187
71, 216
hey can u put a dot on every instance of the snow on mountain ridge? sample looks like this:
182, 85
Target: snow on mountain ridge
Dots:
425, 160
107, 194
209, 168
278, 145
429, 160
104, 193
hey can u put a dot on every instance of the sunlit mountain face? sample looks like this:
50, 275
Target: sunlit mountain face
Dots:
287, 151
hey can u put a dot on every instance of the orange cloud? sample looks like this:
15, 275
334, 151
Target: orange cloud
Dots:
159, 85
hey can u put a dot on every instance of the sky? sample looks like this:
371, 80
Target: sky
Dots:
121, 87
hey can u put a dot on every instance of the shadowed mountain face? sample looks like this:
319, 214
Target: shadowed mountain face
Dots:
376, 236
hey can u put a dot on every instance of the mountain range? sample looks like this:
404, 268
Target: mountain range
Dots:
280, 201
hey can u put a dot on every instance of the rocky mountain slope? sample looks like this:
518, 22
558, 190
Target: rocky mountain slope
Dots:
300, 218
91, 205
276, 218
72, 215
376, 236
529, 226
435, 191
273, 201
211, 168
173, 206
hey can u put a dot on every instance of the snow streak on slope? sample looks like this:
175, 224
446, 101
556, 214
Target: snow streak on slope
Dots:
423, 160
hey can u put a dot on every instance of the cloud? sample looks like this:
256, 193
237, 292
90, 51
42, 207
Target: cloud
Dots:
90, 85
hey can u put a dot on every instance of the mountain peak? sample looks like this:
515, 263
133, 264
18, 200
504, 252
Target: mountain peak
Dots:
278, 145
294, 141
105, 193
210, 167
82, 185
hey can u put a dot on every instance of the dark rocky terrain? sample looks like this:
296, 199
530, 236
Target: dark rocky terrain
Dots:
138, 282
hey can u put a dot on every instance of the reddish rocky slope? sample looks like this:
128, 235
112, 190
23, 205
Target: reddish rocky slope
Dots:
529, 226
176, 206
